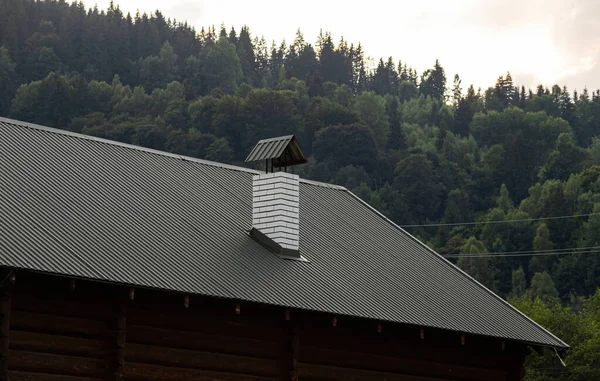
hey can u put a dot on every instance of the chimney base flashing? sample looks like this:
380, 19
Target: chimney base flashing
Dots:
281, 251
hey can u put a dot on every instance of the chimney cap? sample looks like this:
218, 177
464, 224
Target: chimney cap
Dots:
283, 151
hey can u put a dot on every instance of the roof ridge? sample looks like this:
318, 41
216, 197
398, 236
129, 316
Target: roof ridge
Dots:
151, 150
452, 265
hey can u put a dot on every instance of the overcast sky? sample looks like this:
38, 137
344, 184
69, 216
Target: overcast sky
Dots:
538, 41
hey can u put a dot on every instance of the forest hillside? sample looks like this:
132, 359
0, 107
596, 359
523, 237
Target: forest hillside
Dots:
504, 181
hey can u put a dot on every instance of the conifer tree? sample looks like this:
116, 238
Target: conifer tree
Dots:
433, 82
519, 282
541, 242
233, 39
396, 140
246, 52
522, 98
223, 31
508, 89
456, 91
359, 73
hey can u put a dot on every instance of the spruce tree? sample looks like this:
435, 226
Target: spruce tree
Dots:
392, 75
396, 140
508, 89
522, 98
359, 74
246, 52
456, 91
223, 32
433, 82
541, 242
233, 36
327, 59
379, 82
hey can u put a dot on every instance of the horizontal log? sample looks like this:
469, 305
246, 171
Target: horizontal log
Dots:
391, 346
60, 325
56, 364
56, 344
147, 372
202, 319
184, 358
140, 334
28, 376
322, 372
63, 302
412, 366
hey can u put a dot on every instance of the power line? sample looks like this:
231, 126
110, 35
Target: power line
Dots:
501, 221
534, 251
531, 253
517, 255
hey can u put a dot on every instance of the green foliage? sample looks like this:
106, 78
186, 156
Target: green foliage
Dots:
503, 201
542, 287
541, 242
480, 268
458, 207
47, 101
566, 159
417, 183
7, 71
323, 112
392, 136
358, 149
579, 327
433, 82
352, 177
519, 282
271, 113
372, 111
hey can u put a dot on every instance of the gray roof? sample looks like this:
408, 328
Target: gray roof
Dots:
284, 149
80, 206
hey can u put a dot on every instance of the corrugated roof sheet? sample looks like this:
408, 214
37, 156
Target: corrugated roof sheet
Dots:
87, 207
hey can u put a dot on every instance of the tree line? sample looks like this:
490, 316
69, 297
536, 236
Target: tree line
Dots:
421, 148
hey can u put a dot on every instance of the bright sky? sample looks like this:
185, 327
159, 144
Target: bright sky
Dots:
538, 41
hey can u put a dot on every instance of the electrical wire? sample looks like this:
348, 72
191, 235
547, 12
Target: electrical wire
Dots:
534, 251
525, 254
501, 221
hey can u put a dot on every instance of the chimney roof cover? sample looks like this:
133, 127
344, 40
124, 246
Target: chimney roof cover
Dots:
284, 151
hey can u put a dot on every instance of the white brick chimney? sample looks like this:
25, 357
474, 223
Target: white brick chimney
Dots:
275, 208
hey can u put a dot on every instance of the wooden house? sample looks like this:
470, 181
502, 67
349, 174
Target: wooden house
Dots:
124, 263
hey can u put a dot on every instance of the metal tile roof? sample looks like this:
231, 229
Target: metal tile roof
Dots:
87, 207
274, 148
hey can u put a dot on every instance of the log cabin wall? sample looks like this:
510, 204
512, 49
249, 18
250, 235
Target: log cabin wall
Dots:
356, 352
208, 340
58, 333
85, 331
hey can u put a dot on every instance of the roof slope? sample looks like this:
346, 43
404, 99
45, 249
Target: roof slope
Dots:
87, 207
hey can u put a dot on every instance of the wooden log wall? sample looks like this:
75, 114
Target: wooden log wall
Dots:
90, 332
7, 279
59, 333
167, 341
346, 353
